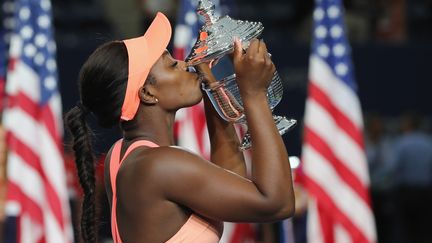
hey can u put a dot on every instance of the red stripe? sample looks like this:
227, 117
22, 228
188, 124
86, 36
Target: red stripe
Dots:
326, 223
339, 117
243, 233
33, 160
329, 206
344, 173
14, 193
42, 114
179, 53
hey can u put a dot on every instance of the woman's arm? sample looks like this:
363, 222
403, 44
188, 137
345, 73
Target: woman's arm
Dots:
224, 141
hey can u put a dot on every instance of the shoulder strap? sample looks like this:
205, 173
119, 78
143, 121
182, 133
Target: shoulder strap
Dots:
137, 144
114, 166
115, 163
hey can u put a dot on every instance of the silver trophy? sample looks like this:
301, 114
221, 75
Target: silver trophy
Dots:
215, 40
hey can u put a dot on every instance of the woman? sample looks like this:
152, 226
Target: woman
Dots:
159, 192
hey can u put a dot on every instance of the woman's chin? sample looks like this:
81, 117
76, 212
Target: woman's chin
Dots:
198, 99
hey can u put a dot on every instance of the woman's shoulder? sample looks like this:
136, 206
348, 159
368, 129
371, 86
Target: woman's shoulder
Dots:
160, 159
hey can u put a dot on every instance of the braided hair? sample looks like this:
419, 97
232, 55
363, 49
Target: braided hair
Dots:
102, 86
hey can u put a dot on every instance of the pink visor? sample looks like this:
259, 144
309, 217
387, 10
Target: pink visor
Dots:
143, 52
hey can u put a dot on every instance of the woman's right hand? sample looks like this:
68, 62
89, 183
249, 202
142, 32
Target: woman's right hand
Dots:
254, 69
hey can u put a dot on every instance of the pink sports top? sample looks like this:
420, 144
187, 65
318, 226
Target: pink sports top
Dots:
196, 229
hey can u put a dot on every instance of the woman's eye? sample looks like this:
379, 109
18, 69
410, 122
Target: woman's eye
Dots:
174, 64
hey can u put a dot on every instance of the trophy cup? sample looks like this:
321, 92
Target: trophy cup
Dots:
215, 40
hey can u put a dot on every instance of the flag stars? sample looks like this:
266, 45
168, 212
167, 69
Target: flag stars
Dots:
41, 40
323, 50
321, 32
44, 21
39, 59
339, 50
318, 14
333, 12
27, 32
51, 65
336, 31
24, 13
50, 83
46, 5
30, 50
341, 69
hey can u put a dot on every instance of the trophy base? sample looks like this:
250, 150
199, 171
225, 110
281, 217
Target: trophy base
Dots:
283, 125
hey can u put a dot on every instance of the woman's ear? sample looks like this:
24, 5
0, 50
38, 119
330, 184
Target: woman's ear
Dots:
146, 95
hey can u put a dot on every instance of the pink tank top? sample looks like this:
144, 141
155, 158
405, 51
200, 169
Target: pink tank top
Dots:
195, 229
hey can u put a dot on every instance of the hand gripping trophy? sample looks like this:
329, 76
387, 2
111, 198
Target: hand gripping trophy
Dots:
215, 40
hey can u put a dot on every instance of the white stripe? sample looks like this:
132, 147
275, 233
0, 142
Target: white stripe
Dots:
34, 135
183, 36
23, 79
12, 208
187, 137
342, 96
318, 169
15, 48
341, 235
30, 232
56, 109
26, 178
227, 233
53, 231
314, 230
344, 148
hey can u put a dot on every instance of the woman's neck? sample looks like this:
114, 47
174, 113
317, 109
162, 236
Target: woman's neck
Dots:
158, 128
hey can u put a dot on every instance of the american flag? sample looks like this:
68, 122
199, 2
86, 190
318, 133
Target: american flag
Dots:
37, 194
334, 160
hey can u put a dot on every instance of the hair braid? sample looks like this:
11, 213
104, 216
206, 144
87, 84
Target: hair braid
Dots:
84, 159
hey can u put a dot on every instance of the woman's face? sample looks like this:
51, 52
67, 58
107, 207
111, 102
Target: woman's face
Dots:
175, 87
